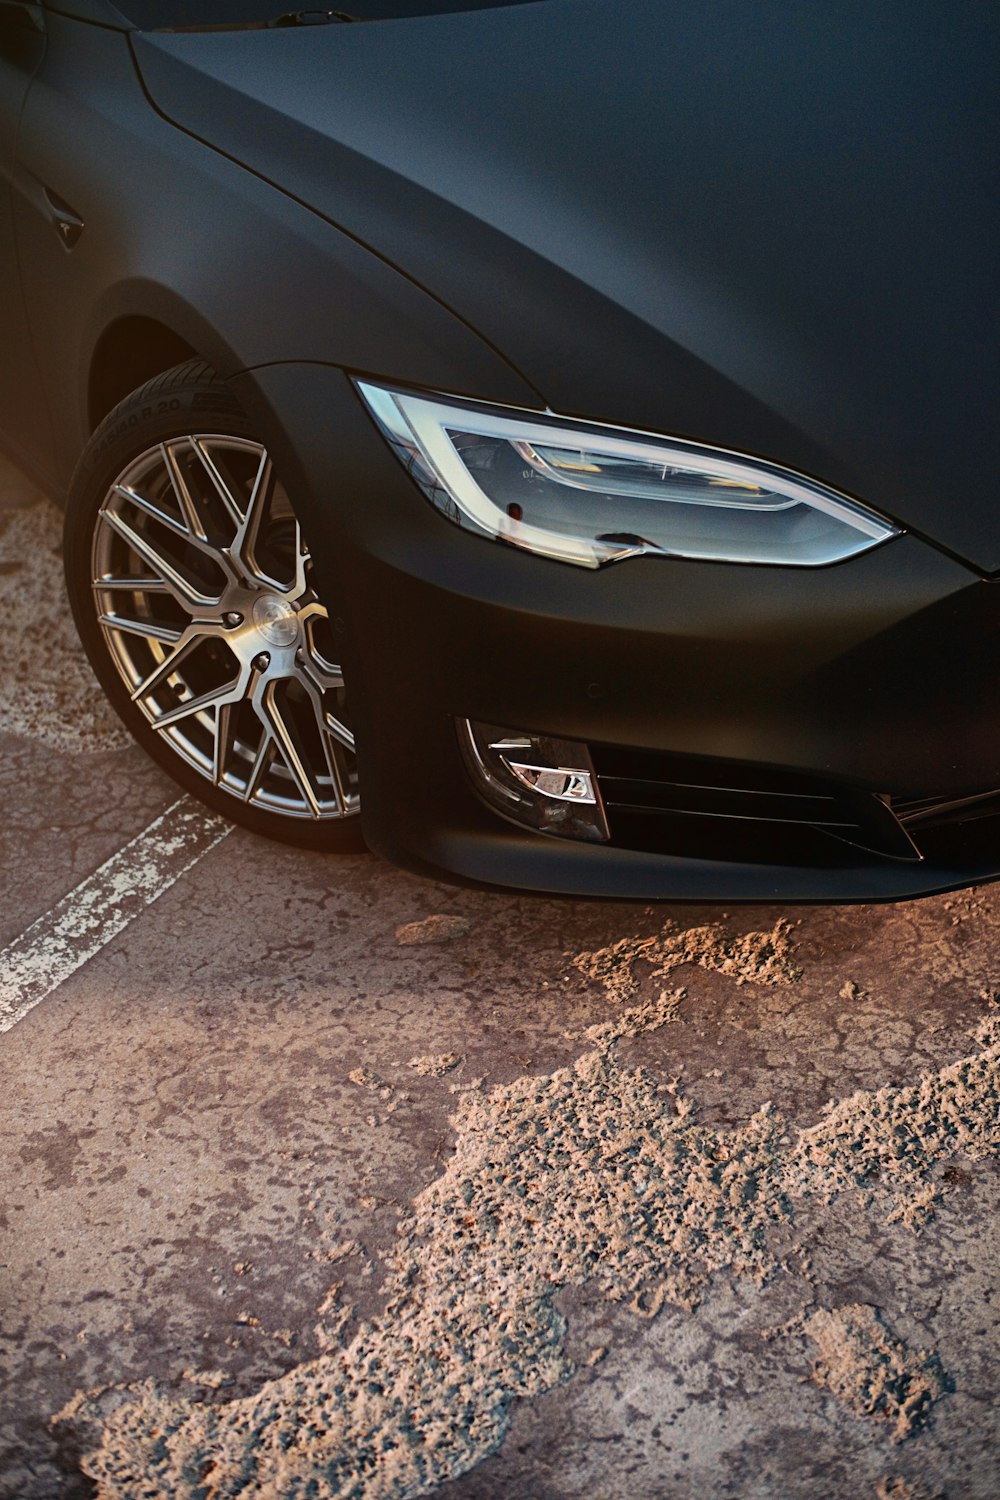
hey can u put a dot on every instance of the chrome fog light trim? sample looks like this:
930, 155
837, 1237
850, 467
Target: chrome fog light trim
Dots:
543, 783
561, 784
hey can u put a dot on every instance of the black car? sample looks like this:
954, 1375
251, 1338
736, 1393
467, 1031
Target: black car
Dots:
556, 438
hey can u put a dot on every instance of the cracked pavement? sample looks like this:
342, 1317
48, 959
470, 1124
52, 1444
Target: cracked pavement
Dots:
238, 1140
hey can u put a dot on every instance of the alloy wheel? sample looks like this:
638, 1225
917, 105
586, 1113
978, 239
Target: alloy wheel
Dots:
206, 599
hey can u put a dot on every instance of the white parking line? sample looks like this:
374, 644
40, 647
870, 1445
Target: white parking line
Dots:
103, 905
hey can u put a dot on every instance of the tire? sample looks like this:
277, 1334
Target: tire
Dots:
195, 599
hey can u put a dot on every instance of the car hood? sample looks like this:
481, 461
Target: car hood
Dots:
767, 227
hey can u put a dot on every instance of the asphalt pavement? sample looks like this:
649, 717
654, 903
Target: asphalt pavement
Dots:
318, 1179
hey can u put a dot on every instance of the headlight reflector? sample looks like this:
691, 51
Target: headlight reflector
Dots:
591, 495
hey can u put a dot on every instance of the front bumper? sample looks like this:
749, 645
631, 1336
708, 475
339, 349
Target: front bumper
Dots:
876, 675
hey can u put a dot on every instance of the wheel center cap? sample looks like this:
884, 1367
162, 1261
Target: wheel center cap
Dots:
276, 620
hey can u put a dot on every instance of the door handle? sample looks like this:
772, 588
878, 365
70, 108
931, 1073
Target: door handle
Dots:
66, 220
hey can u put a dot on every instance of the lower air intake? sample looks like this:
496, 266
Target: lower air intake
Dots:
709, 809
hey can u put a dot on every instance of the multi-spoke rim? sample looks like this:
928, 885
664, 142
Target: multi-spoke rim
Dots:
205, 596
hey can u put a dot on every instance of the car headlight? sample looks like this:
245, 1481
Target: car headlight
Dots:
592, 495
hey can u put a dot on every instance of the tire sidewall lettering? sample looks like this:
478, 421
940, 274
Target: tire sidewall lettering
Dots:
128, 422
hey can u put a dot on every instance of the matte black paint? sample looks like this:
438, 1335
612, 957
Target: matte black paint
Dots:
783, 212
766, 231
178, 233
22, 407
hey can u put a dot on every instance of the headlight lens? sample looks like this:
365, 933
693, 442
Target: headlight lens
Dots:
591, 495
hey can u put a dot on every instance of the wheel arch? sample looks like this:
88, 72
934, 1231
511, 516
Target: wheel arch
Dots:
129, 352
137, 329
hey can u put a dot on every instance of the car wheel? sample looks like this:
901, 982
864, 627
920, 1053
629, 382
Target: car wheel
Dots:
194, 593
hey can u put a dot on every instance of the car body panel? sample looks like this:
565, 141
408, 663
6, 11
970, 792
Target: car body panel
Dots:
23, 411
165, 234
780, 214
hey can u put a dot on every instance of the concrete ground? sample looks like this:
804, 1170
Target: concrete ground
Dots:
534, 1199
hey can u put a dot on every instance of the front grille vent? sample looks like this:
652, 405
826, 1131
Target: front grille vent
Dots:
937, 812
714, 809
960, 831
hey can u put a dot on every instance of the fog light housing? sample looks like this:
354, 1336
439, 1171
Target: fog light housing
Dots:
542, 783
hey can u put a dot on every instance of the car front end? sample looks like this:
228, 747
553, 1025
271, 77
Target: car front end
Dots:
634, 384
746, 731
